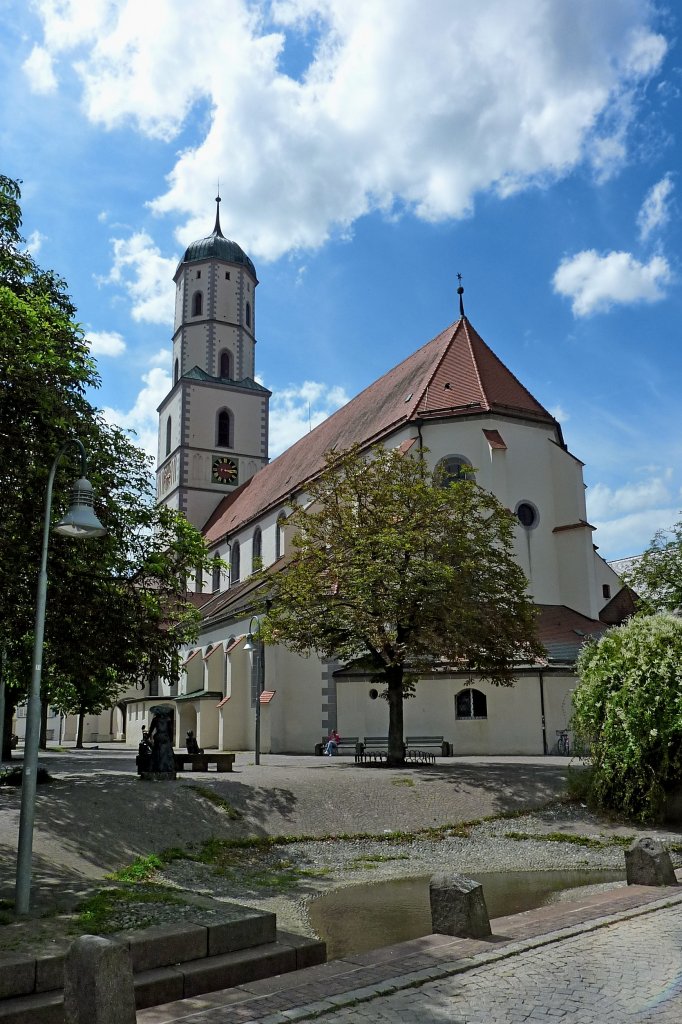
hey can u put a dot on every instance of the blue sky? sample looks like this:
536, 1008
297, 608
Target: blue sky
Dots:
367, 153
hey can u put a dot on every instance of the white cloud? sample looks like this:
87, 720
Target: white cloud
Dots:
297, 409
596, 282
655, 212
143, 417
559, 413
631, 534
146, 275
604, 502
394, 108
34, 242
105, 343
38, 68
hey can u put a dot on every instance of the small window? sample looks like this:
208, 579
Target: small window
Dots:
453, 468
606, 590
176, 372
257, 549
197, 304
225, 369
198, 274
471, 703
279, 535
248, 314
527, 514
216, 574
224, 429
227, 275
169, 430
198, 579
235, 563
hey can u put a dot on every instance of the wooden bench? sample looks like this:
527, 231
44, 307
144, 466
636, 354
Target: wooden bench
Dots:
348, 743
374, 748
200, 762
420, 747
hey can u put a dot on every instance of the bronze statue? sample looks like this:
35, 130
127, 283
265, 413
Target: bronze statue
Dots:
161, 736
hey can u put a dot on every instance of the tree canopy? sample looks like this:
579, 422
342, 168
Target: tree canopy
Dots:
656, 575
117, 610
628, 714
404, 571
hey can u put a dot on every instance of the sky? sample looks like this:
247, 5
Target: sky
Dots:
367, 153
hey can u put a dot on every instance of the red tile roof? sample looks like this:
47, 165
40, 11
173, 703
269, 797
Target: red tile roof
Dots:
454, 374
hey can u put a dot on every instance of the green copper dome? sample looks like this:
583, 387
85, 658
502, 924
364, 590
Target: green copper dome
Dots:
217, 247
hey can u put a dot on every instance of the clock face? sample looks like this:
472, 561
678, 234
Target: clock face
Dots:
224, 470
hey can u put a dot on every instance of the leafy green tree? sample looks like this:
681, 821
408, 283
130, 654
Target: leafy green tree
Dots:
392, 567
628, 714
117, 610
656, 576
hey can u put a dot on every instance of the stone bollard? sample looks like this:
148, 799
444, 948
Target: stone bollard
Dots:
458, 907
98, 983
647, 862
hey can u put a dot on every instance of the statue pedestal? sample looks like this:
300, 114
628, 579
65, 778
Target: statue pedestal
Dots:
158, 776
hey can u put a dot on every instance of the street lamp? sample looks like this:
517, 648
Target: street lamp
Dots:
79, 521
250, 648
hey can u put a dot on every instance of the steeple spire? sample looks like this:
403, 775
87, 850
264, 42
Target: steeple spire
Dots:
460, 292
216, 229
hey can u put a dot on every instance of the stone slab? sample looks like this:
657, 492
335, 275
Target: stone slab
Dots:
98, 982
17, 975
160, 985
231, 969
241, 929
309, 952
39, 1008
49, 971
164, 946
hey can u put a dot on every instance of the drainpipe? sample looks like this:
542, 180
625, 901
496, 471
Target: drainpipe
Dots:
418, 425
541, 679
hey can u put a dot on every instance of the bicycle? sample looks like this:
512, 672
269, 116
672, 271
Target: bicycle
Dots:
563, 746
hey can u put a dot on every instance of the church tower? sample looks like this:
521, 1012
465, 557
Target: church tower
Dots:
213, 423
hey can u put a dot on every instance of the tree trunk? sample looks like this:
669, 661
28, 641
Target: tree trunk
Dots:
42, 743
6, 726
79, 731
396, 745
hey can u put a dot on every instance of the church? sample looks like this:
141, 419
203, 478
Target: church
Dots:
455, 398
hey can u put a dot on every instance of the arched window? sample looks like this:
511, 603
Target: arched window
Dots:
197, 303
216, 573
176, 372
279, 535
224, 429
453, 468
225, 369
235, 563
257, 550
248, 314
169, 429
471, 703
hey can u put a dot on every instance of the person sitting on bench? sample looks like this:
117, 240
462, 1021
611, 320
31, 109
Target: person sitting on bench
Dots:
192, 745
332, 743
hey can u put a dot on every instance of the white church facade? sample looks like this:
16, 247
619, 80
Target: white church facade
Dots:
453, 397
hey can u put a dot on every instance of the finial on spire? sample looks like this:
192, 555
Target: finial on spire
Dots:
216, 229
460, 292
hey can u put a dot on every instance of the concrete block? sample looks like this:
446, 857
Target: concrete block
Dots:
230, 969
17, 975
458, 907
49, 971
647, 862
162, 985
309, 952
164, 945
98, 983
241, 930
39, 1008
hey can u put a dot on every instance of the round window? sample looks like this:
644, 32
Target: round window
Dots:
373, 694
527, 515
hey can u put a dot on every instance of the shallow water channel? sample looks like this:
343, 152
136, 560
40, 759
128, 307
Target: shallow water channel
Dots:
362, 917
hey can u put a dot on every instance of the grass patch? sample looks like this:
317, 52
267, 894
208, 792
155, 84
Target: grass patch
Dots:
97, 913
372, 860
144, 868
568, 837
209, 794
407, 781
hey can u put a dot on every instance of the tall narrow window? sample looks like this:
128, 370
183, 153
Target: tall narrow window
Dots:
197, 304
224, 429
216, 573
235, 563
225, 369
279, 535
176, 371
198, 579
248, 314
169, 429
257, 550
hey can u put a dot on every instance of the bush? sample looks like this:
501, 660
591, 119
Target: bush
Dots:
628, 712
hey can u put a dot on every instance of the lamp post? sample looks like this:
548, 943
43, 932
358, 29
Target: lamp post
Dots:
79, 521
250, 648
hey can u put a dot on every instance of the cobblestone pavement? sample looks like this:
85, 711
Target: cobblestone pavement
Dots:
628, 971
